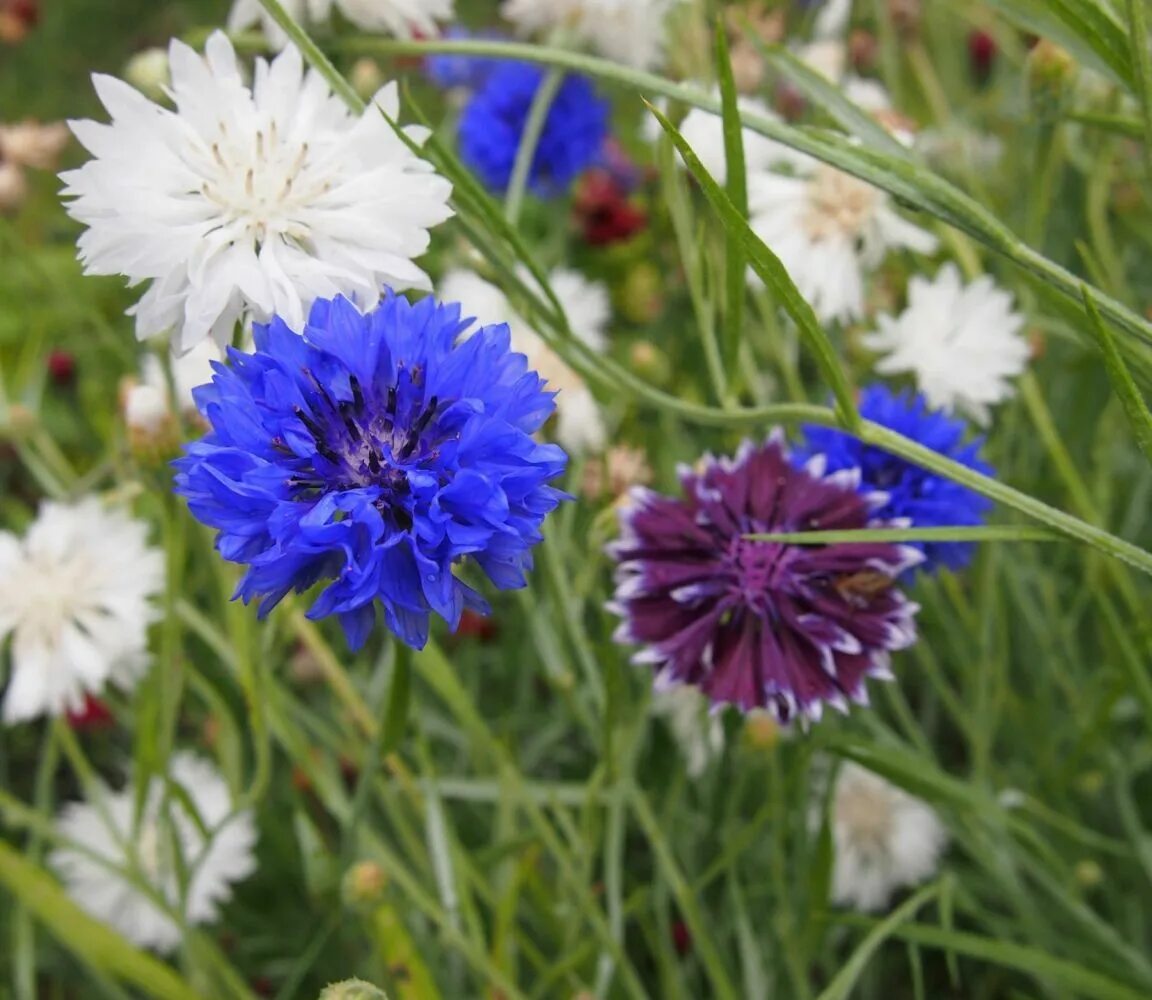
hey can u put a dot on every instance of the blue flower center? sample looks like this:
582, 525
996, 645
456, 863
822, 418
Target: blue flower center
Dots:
373, 440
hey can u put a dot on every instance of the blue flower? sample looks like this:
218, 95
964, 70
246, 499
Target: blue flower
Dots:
374, 451
924, 498
494, 121
449, 70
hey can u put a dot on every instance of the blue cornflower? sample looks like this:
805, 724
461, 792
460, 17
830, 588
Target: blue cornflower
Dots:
374, 451
925, 499
450, 70
494, 120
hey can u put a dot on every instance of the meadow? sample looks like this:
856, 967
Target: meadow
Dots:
575, 499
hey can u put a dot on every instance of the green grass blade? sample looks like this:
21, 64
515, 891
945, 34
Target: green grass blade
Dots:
845, 982
986, 533
1142, 70
91, 941
769, 269
1135, 408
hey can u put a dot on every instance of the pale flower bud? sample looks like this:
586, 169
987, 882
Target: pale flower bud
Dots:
31, 144
149, 72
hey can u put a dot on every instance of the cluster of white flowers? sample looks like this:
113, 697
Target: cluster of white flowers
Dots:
579, 422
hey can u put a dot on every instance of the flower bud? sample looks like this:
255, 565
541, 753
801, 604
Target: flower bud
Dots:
905, 16
640, 297
649, 362
1051, 71
761, 730
366, 77
1089, 874
17, 18
149, 72
982, 52
62, 368
364, 884
353, 989
863, 49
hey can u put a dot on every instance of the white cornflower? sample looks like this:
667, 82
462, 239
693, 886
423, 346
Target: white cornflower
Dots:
632, 32
76, 598
212, 847
150, 403
961, 342
579, 423
249, 201
829, 229
403, 18
884, 839
699, 733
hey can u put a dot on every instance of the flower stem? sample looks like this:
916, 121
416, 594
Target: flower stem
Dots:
530, 142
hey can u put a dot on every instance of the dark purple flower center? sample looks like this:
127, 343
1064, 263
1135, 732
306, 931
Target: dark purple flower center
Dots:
374, 439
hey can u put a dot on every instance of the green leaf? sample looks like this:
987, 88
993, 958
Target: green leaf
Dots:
987, 533
841, 987
769, 269
1142, 70
1135, 408
91, 941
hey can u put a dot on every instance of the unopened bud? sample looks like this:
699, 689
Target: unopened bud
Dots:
19, 421
364, 884
640, 296
353, 989
905, 16
1051, 71
366, 77
761, 730
649, 362
1089, 874
862, 50
149, 72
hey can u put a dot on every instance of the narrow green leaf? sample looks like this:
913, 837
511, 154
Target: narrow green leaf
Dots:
1135, 408
987, 533
91, 941
736, 186
842, 986
1125, 125
769, 269
827, 96
1040, 964
529, 141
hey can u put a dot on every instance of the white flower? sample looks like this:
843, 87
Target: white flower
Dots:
402, 18
632, 32
153, 851
962, 343
150, 402
699, 732
76, 598
883, 838
249, 201
832, 21
829, 229
579, 423
704, 132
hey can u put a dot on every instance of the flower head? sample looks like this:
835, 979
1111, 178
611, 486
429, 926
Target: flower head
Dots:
961, 342
495, 118
884, 839
374, 451
403, 18
913, 495
829, 229
760, 623
249, 201
450, 70
76, 598
196, 832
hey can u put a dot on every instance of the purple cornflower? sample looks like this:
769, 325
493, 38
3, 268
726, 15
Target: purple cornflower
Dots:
761, 624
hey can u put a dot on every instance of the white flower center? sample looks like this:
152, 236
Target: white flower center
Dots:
262, 184
838, 204
51, 592
865, 815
